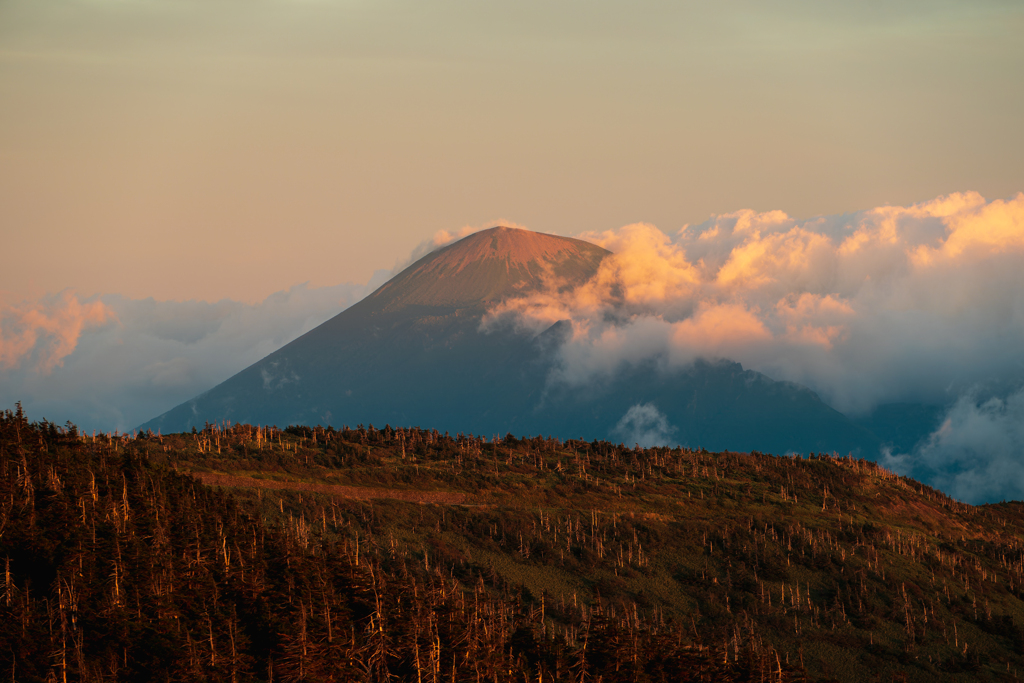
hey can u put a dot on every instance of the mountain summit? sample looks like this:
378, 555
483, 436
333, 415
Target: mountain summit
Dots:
413, 353
488, 266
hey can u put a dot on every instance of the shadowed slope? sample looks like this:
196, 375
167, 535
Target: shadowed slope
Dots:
411, 351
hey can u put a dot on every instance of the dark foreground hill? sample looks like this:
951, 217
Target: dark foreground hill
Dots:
411, 555
413, 352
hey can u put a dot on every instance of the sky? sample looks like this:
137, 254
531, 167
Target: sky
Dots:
214, 149
826, 192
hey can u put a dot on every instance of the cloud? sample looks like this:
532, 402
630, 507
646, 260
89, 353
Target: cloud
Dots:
914, 303
111, 362
644, 425
977, 454
43, 333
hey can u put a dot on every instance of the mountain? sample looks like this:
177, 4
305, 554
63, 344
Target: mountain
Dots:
901, 426
413, 353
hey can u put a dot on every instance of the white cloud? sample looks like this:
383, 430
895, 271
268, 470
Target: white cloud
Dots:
976, 454
644, 425
891, 304
112, 363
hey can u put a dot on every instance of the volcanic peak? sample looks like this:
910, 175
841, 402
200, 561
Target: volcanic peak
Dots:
489, 266
515, 246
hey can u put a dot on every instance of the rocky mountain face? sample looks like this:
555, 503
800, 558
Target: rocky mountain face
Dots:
413, 353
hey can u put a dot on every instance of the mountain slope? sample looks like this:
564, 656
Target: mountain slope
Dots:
716, 405
318, 554
413, 353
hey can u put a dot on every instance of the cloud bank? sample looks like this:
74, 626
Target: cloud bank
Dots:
890, 304
921, 304
977, 454
110, 362
645, 426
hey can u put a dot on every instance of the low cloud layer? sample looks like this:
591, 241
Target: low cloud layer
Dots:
892, 304
645, 426
110, 362
977, 454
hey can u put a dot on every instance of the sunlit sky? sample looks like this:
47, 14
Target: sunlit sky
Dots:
223, 149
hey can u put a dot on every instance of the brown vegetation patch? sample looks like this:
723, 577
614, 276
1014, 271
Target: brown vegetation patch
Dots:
354, 492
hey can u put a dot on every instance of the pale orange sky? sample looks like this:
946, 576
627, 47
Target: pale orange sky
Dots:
183, 149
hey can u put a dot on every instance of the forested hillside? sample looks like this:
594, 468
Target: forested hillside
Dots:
252, 553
